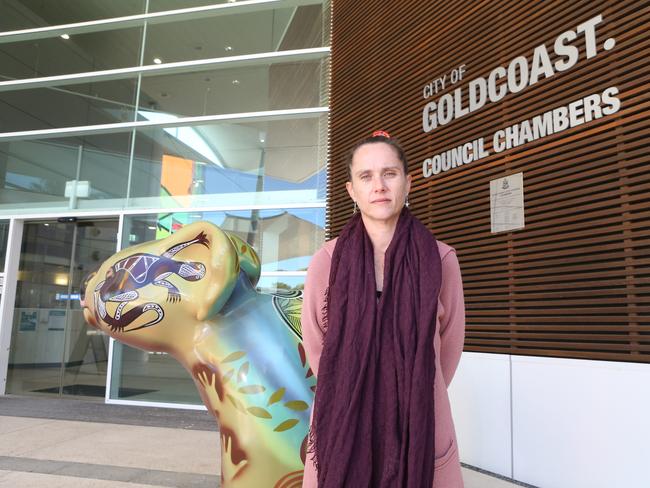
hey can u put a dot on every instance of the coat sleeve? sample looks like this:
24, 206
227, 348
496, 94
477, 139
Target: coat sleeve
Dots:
452, 322
313, 301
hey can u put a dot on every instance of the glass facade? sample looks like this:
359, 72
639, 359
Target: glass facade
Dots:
53, 56
194, 110
39, 175
53, 351
28, 14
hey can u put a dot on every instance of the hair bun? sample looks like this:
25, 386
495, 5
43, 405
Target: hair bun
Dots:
381, 133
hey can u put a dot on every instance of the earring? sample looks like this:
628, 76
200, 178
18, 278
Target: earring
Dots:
355, 207
407, 201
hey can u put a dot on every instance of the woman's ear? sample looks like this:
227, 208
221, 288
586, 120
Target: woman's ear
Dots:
350, 189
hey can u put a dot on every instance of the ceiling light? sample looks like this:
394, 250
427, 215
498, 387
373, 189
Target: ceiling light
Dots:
228, 48
157, 60
61, 279
65, 36
235, 82
151, 227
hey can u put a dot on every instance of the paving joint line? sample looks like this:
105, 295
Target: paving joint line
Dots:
153, 477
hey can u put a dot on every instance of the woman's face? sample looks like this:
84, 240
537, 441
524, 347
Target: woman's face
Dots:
379, 185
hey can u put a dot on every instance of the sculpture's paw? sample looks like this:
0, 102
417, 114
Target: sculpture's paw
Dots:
173, 297
202, 239
233, 459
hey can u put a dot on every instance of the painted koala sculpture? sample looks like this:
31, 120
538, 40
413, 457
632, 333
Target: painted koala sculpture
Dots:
193, 296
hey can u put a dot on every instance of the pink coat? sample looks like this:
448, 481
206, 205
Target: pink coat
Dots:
448, 344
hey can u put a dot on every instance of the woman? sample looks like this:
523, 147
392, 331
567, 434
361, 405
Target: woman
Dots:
383, 326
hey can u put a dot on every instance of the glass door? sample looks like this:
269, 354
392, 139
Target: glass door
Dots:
53, 351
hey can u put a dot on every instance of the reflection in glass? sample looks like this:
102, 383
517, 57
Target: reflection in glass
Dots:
160, 5
221, 36
80, 53
252, 163
273, 284
41, 175
27, 14
67, 106
223, 91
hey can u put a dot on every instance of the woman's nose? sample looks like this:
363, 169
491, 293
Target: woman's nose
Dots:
378, 184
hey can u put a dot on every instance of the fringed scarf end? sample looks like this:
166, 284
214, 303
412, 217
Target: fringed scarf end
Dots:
324, 312
311, 448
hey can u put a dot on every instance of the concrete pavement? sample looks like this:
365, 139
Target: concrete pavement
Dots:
54, 442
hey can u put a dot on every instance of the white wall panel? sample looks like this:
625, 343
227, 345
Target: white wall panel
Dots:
575, 423
480, 402
581, 424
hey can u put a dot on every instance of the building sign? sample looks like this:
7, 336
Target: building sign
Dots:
67, 296
518, 75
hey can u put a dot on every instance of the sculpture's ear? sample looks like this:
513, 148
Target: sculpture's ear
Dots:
249, 261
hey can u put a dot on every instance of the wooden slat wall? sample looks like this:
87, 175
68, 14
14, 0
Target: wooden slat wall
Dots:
575, 281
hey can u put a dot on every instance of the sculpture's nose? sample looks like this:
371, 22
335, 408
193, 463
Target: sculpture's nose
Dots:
84, 285
90, 319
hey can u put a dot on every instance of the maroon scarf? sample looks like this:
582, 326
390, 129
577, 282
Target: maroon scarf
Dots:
373, 423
